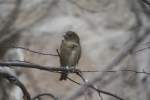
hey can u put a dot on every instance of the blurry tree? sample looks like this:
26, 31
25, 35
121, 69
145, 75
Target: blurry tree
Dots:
106, 28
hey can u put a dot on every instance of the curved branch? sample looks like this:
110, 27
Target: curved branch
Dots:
45, 94
14, 80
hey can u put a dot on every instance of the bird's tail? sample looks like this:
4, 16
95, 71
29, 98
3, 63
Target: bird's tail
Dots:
63, 76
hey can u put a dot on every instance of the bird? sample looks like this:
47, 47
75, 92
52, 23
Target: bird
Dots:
70, 52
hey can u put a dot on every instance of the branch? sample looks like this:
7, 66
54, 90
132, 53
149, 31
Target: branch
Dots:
98, 90
23, 48
123, 70
14, 80
137, 51
45, 68
45, 94
77, 71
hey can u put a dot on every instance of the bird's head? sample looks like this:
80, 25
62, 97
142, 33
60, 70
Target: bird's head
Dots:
71, 36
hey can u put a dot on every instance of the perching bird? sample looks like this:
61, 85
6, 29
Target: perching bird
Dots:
70, 52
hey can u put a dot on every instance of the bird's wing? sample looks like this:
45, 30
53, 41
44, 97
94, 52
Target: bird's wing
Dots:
65, 53
79, 54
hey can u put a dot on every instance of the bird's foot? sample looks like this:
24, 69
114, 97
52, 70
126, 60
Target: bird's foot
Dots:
73, 68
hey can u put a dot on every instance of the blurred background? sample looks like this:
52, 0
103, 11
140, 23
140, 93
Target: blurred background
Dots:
104, 27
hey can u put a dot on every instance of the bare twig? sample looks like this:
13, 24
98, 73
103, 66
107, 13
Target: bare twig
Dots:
23, 48
45, 94
58, 52
45, 68
101, 97
137, 51
123, 70
98, 90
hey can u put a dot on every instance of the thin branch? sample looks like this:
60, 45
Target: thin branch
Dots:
79, 73
107, 93
123, 70
45, 94
101, 97
45, 68
73, 81
58, 53
98, 90
137, 51
23, 48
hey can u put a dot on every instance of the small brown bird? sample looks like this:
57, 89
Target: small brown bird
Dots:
70, 52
